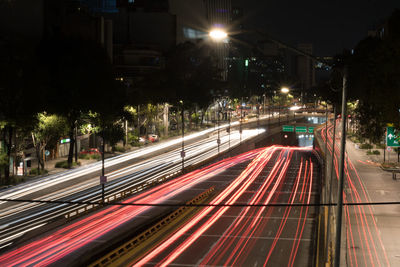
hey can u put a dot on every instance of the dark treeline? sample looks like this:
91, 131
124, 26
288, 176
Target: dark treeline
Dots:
51, 90
373, 80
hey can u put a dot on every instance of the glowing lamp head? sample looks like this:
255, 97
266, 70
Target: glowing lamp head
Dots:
285, 90
218, 34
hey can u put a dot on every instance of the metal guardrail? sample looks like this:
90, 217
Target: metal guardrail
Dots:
138, 240
115, 197
128, 192
394, 171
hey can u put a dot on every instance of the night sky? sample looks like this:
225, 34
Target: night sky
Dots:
330, 25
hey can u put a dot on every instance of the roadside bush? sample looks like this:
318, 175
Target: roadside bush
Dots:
133, 139
84, 156
35, 172
366, 146
380, 146
119, 149
64, 164
89, 156
95, 156
375, 152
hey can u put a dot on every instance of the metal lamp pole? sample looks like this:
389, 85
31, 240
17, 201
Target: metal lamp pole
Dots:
240, 125
258, 119
229, 130
341, 172
183, 137
331, 181
103, 178
218, 140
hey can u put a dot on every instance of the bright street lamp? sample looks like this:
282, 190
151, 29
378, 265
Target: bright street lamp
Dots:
285, 90
218, 34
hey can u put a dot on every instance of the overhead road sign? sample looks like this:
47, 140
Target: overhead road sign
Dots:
301, 129
288, 128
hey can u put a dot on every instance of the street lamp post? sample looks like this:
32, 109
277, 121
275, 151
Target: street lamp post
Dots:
218, 35
229, 129
339, 210
241, 119
218, 139
183, 137
258, 119
103, 178
285, 91
331, 180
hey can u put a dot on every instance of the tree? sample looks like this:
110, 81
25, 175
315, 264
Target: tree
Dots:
79, 75
20, 93
373, 79
46, 134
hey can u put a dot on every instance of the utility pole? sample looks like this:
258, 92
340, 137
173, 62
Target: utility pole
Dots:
218, 113
183, 137
229, 130
279, 114
331, 181
258, 119
341, 172
103, 178
240, 125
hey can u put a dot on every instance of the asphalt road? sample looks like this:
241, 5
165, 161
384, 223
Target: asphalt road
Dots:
250, 236
16, 220
362, 241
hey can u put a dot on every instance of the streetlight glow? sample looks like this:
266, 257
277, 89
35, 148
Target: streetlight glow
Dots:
218, 34
285, 90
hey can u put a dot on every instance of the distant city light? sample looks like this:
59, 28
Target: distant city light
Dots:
295, 108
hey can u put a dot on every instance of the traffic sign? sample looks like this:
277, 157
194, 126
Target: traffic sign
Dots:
310, 129
392, 137
64, 141
288, 128
301, 129
47, 153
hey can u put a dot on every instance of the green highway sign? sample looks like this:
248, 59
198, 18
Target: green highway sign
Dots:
310, 129
64, 141
392, 137
288, 128
301, 129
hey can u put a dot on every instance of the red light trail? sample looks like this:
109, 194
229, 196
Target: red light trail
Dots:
234, 245
64, 241
362, 230
230, 248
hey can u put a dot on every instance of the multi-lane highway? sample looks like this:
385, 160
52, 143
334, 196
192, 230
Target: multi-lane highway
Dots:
251, 236
362, 242
17, 219
233, 236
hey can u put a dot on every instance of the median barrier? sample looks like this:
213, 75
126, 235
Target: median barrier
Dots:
134, 243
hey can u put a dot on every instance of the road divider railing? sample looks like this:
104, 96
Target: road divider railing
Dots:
134, 243
81, 211
116, 197
323, 256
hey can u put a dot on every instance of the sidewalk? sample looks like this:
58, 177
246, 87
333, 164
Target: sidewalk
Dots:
50, 165
380, 187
